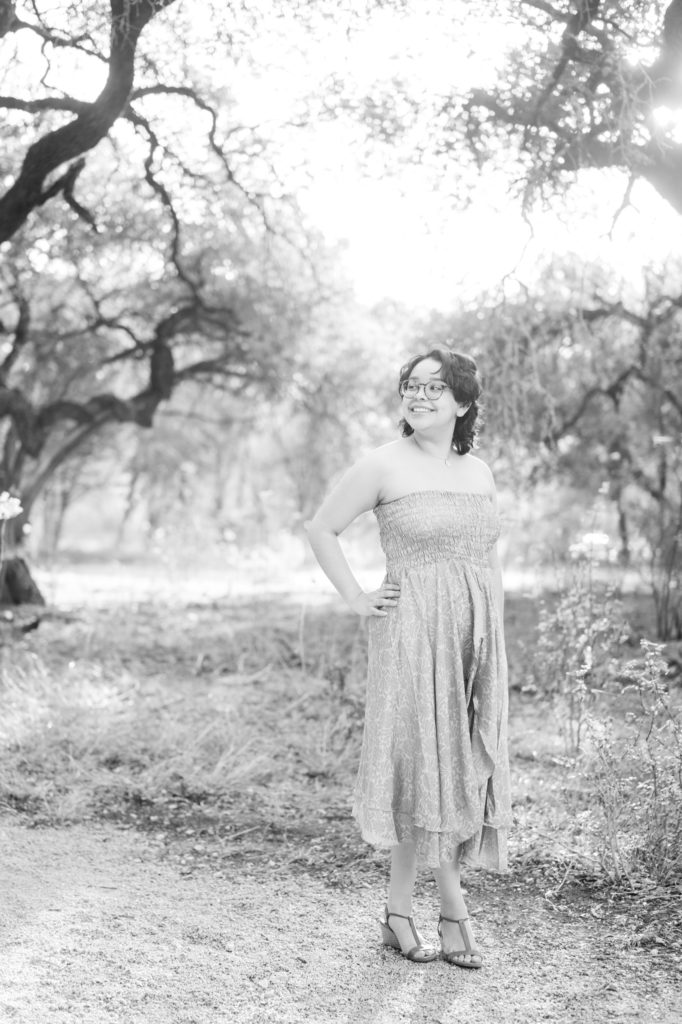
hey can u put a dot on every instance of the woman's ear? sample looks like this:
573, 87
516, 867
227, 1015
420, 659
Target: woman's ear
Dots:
462, 410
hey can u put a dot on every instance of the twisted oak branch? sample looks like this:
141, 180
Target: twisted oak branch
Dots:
128, 19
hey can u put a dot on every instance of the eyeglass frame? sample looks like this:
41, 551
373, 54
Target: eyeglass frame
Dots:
421, 386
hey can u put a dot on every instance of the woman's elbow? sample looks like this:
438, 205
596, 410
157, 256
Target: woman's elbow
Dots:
317, 528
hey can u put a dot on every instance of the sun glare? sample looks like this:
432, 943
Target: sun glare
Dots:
401, 237
669, 119
400, 234
405, 239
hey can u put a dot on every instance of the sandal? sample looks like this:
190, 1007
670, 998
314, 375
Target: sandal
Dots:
419, 953
457, 956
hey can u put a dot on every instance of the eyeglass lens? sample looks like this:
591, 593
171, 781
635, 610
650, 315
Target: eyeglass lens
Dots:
432, 389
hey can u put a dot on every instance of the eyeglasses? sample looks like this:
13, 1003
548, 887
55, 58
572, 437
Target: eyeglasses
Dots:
432, 390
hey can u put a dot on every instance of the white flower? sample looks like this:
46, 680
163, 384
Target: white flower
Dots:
9, 507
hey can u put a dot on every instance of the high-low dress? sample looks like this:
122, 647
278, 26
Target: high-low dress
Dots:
434, 766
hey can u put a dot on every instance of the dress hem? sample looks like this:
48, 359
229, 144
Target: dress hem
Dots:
485, 847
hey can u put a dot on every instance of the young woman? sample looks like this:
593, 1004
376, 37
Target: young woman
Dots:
433, 782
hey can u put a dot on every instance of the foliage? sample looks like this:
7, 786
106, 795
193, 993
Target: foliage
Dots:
636, 774
583, 374
622, 728
590, 85
573, 655
214, 474
177, 257
168, 252
558, 88
86, 354
151, 72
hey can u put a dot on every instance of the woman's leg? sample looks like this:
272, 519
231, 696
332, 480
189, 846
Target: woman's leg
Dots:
403, 877
400, 890
452, 905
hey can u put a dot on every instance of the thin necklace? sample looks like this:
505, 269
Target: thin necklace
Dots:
439, 458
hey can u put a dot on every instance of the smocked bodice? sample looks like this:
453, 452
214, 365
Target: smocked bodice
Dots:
426, 527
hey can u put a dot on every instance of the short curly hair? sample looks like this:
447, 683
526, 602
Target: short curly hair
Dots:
461, 374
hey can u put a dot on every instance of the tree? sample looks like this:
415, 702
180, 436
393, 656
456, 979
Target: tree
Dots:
585, 378
168, 261
629, 420
66, 144
85, 352
594, 85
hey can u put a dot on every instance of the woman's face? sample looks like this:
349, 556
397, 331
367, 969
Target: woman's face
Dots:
423, 411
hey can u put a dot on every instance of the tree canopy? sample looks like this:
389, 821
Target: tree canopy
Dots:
148, 241
595, 85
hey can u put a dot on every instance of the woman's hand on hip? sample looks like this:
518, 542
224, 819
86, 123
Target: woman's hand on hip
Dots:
376, 601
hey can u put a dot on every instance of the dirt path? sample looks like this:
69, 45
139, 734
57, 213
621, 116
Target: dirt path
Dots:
97, 929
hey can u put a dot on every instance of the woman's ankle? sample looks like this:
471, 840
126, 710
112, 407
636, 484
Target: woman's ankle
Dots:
401, 905
453, 908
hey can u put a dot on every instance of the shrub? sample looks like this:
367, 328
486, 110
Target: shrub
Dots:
635, 772
575, 652
622, 726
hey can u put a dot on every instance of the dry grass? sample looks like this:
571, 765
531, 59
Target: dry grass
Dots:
184, 713
80, 735
231, 732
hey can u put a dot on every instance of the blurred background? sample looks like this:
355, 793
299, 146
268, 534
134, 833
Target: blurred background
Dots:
206, 297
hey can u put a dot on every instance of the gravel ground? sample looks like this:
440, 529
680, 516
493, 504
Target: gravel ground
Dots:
97, 928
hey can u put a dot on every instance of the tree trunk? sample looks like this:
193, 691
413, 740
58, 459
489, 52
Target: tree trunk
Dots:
70, 141
17, 586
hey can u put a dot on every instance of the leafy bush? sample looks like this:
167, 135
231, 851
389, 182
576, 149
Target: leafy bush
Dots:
635, 772
575, 652
622, 727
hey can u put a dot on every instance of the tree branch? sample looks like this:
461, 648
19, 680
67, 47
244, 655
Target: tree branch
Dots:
662, 168
20, 338
617, 309
10, 23
518, 116
604, 93
67, 103
663, 75
8, 18
128, 19
254, 199
15, 405
162, 192
570, 51
107, 409
612, 391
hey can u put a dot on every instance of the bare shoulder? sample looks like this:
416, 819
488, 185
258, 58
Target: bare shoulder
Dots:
357, 491
382, 458
372, 468
480, 471
387, 454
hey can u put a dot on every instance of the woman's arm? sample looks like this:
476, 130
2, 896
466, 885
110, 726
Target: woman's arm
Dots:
357, 492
